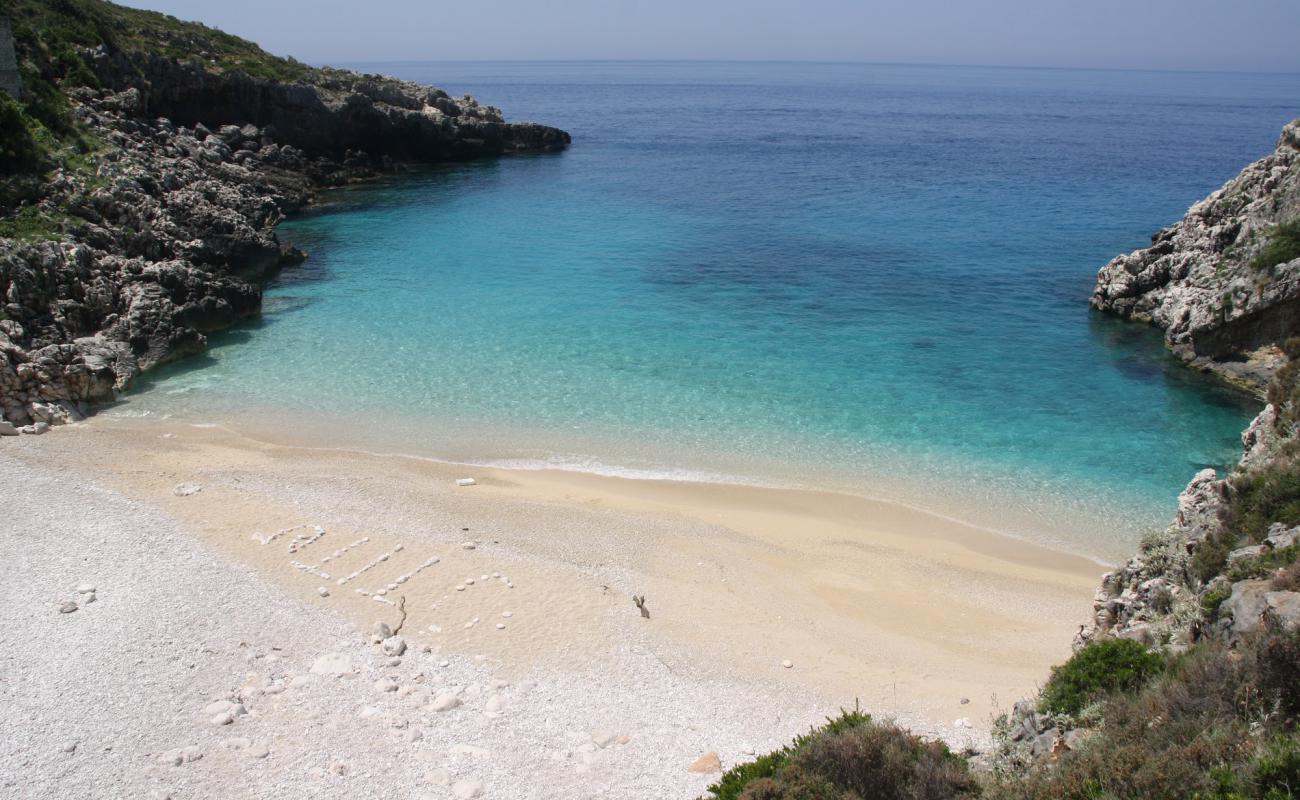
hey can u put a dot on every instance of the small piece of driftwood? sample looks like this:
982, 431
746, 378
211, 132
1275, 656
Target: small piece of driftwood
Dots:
640, 603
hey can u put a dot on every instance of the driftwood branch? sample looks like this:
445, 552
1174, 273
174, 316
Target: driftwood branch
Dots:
640, 603
401, 609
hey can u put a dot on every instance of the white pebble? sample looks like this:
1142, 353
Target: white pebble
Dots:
465, 481
787, 663
501, 626
322, 591
218, 707
438, 777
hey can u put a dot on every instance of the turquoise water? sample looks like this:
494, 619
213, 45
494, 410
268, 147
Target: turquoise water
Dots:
870, 276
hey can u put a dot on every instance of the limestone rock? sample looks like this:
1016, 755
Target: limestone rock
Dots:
332, 664
177, 226
393, 646
707, 763
1197, 282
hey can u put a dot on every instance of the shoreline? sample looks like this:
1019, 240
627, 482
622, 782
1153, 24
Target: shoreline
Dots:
1056, 515
915, 616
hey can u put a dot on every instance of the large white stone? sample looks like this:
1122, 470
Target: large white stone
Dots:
332, 664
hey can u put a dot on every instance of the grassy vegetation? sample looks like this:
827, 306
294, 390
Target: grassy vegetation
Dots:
30, 224
1217, 723
1284, 389
1102, 668
1282, 245
1260, 498
54, 40
851, 757
57, 32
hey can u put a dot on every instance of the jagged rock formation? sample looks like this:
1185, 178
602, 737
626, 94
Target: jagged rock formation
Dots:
1226, 309
1199, 280
170, 233
1158, 599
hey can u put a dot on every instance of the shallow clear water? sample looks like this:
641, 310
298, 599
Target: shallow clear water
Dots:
775, 271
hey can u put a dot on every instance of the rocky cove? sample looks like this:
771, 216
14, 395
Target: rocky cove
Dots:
155, 227
167, 220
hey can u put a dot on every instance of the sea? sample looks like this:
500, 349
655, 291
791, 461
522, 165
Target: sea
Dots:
868, 278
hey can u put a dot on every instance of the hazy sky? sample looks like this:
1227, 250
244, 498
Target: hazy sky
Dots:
1162, 34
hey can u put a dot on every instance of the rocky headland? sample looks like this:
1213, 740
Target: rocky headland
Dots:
1224, 281
147, 164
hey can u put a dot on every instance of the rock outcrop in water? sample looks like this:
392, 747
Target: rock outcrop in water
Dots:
1212, 281
155, 225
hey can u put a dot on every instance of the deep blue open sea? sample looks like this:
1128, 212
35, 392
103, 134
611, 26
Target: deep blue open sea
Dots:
868, 276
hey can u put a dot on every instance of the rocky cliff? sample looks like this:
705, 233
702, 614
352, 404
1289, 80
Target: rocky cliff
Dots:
149, 222
1224, 282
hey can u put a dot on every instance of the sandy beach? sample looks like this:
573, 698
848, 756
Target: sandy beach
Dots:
769, 609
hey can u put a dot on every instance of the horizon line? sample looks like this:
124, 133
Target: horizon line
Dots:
1181, 70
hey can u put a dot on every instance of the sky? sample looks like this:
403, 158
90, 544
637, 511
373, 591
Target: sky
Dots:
1239, 35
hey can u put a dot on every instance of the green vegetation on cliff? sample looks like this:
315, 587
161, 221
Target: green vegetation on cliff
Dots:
1100, 669
55, 41
1282, 245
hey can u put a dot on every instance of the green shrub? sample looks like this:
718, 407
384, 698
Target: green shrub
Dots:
1102, 668
1258, 500
1283, 245
1212, 600
850, 758
18, 151
1284, 389
1264, 565
1277, 673
1193, 731
1266, 497
733, 781
1277, 770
